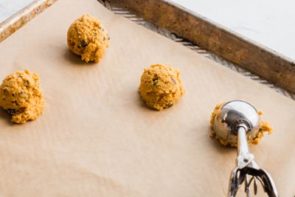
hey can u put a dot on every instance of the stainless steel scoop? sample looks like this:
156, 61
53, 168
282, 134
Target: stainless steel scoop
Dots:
237, 120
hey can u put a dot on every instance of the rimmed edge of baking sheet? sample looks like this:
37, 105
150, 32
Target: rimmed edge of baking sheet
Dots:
16, 21
257, 59
141, 21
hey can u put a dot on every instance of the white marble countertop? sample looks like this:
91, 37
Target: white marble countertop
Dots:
10, 7
270, 23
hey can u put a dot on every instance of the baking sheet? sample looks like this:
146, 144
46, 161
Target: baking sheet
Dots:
97, 139
213, 37
9, 23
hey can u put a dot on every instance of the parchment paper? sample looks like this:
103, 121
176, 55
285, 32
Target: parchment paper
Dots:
97, 139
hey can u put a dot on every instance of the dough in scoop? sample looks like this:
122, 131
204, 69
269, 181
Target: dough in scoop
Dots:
264, 128
160, 86
87, 38
21, 97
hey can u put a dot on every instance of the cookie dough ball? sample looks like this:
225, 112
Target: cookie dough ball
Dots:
160, 86
21, 97
87, 38
231, 140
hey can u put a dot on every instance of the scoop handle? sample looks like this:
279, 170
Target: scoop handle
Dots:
243, 148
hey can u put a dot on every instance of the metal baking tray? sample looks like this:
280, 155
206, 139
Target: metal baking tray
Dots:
192, 29
81, 133
21, 17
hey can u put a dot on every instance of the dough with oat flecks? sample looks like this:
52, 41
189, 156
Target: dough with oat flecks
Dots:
21, 97
87, 38
160, 86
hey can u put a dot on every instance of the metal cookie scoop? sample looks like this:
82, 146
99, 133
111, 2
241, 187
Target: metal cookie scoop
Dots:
239, 118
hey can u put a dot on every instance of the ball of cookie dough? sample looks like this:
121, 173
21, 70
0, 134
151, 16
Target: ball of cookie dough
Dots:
160, 86
87, 38
231, 140
21, 97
